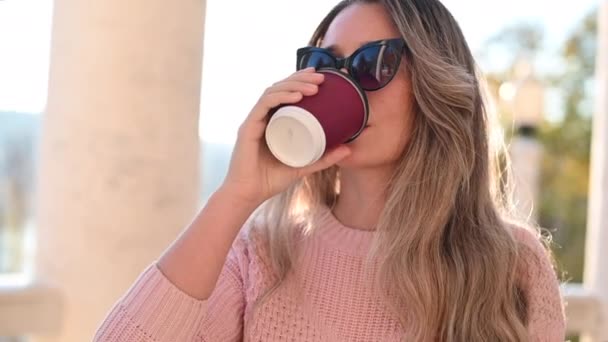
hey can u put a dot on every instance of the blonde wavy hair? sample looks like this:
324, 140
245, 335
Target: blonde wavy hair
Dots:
444, 219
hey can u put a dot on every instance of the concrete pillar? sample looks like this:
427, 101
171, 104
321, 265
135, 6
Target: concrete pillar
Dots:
119, 156
596, 252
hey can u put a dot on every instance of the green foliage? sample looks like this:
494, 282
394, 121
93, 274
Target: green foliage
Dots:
565, 169
562, 203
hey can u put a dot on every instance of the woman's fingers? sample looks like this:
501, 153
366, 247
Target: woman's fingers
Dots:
291, 90
303, 87
269, 101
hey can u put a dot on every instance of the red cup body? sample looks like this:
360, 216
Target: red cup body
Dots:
299, 134
340, 106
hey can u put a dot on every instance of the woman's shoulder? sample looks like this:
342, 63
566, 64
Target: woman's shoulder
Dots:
255, 234
250, 247
529, 238
535, 259
247, 239
530, 241
539, 281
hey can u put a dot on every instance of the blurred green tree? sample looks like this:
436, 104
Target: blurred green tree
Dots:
565, 170
565, 167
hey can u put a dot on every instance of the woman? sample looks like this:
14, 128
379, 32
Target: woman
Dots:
394, 236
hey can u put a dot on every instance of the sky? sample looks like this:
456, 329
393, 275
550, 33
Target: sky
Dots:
267, 31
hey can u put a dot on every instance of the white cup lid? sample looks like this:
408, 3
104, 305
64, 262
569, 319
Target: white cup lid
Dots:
295, 136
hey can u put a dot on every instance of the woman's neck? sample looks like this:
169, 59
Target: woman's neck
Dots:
362, 197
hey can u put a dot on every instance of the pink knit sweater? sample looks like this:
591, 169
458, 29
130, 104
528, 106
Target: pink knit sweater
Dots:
327, 298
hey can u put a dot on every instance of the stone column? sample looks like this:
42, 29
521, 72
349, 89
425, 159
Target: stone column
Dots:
596, 250
119, 176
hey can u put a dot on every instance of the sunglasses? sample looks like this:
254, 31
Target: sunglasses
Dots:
373, 65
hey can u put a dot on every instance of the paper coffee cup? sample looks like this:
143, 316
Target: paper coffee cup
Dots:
299, 134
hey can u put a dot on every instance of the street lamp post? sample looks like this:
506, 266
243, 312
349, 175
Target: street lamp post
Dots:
525, 96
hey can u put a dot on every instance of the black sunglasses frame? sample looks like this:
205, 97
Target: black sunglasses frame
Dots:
396, 43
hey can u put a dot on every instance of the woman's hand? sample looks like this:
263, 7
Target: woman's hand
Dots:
254, 173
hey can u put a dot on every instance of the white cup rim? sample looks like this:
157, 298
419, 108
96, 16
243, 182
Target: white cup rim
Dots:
310, 123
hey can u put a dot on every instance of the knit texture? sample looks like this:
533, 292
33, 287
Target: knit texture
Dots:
328, 297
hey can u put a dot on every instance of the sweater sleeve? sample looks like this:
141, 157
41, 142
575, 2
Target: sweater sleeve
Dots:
154, 309
541, 287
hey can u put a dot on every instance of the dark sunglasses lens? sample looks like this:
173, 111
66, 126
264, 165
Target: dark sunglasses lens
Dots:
315, 59
375, 66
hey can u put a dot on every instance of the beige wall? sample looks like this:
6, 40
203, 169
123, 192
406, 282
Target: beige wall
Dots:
119, 171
